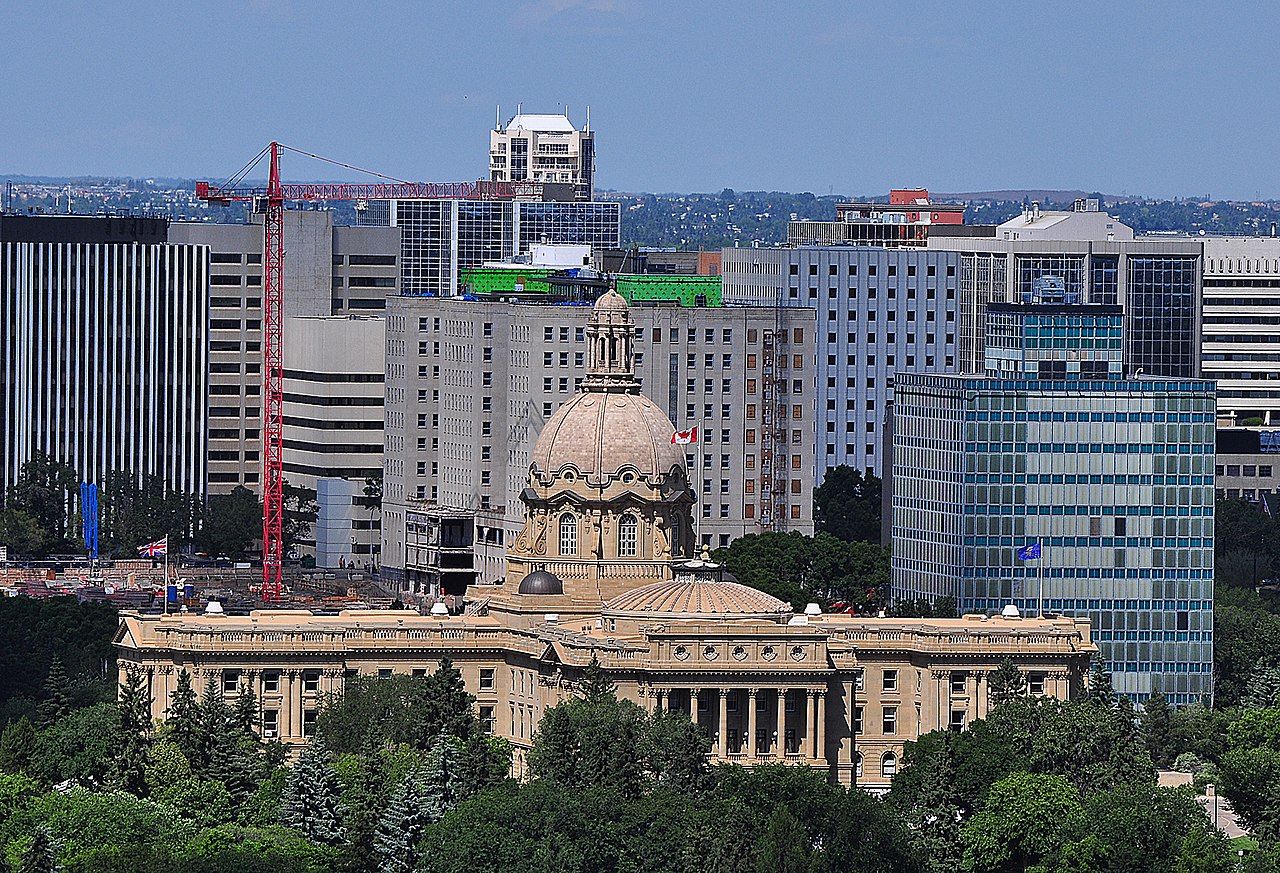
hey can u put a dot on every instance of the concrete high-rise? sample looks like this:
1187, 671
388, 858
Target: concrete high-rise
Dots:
544, 148
879, 311
470, 384
103, 348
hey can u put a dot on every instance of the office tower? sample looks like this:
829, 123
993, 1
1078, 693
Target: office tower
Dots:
328, 270
1110, 476
1242, 326
103, 362
544, 148
1091, 258
906, 220
440, 239
1247, 463
470, 384
879, 310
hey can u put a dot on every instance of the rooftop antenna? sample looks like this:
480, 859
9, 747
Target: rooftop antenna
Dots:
587, 129
520, 108
497, 118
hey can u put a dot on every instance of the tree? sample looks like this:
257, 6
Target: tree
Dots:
232, 522
41, 855
46, 490
1099, 690
1157, 730
424, 798
57, 697
141, 508
17, 745
79, 747
312, 801
300, 513
847, 505
1005, 684
22, 533
183, 724
1023, 823
801, 569
134, 735
1251, 771
1263, 688
784, 845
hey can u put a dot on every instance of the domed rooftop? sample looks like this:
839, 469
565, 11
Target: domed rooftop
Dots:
541, 582
611, 300
599, 433
694, 597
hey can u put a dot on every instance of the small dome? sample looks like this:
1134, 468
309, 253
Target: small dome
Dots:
541, 582
610, 300
697, 597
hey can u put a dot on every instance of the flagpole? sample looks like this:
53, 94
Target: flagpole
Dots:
1040, 580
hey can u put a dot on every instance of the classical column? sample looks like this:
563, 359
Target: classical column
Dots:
819, 724
285, 720
780, 743
660, 700
724, 722
751, 721
810, 723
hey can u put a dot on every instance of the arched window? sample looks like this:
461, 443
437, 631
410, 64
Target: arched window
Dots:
888, 765
857, 771
628, 537
568, 534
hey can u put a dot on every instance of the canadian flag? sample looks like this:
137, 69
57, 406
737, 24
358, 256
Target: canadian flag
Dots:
684, 437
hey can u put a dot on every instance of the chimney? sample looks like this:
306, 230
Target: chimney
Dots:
1035, 210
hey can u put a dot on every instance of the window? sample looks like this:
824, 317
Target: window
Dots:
230, 681
957, 720
857, 719
1035, 683
890, 680
889, 721
568, 534
858, 683
888, 765
311, 681
627, 536
384, 672
486, 719
270, 723
271, 681
486, 678
858, 767
308, 722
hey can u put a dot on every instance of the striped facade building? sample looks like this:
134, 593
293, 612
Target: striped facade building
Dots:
103, 348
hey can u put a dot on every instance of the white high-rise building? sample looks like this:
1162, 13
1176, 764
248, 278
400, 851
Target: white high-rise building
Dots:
546, 149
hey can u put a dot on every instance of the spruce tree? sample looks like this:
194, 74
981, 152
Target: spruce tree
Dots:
427, 794
17, 744
366, 800
312, 799
134, 737
450, 707
595, 682
183, 724
42, 855
1157, 729
57, 695
1005, 684
1100, 691
246, 710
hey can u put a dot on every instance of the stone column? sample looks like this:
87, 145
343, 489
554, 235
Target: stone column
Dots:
724, 722
751, 721
660, 700
810, 723
820, 726
285, 720
780, 744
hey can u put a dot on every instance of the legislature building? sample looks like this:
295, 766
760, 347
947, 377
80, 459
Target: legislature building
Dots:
605, 568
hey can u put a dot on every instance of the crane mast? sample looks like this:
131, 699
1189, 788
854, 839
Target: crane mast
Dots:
269, 202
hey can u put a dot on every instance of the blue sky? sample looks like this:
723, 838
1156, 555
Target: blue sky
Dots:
1158, 98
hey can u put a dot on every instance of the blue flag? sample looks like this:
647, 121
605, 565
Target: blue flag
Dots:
1029, 552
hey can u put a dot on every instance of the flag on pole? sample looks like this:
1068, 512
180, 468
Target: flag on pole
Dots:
155, 549
1029, 552
684, 437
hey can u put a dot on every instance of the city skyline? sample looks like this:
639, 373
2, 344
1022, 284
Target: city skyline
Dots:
1139, 102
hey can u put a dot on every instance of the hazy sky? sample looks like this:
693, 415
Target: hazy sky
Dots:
1159, 98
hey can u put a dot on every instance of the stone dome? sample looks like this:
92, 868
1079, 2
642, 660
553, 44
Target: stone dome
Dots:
610, 300
600, 433
541, 582
698, 597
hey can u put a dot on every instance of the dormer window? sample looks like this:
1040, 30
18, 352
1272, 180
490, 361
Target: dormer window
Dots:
568, 534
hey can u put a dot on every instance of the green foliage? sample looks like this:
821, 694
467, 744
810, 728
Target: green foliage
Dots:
1005, 684
1263, 687
17, 745
134, 735
183, 726
140, 508
231, 523
428, 792
1251, 771
300, 513
57, 695
41, 855
46, 492
22, 533
372, 711
312, 800
1157, 730
801, 569
847, 505
1022, 823
79, 747
33, 632
603, 742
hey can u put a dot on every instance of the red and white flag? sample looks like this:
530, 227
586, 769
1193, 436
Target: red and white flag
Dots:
684, 437
155, 549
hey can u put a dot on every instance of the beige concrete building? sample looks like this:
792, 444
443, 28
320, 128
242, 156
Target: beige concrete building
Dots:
546, 149
601, 569
1242, 326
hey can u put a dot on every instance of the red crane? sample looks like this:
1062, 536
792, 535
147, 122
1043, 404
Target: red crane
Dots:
269, 202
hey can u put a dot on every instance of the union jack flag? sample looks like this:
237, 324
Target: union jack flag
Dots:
155, 549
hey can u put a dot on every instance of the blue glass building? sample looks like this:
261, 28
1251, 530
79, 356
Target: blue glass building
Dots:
1113, 475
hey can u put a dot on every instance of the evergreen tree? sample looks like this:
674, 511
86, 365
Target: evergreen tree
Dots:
418, 803
1262, 691
134, 736
246, 710
450, 707
183, 725
595, 682
312, 800
366, 799
1005, 684
784, 846
42, 855
17, 744
57, 695
1157, 730
1100, 691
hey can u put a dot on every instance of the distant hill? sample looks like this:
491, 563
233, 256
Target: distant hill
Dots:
1044, 195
